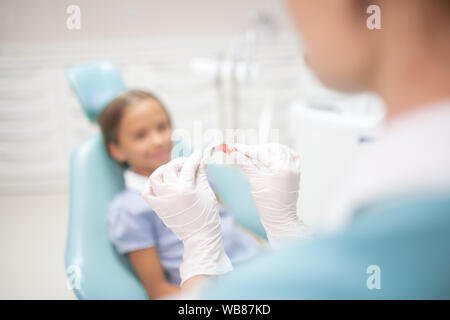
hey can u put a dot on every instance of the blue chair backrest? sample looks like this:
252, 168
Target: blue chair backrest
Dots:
94, 269
95, 84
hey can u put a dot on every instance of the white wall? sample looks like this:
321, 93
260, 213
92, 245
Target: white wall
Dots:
23, 21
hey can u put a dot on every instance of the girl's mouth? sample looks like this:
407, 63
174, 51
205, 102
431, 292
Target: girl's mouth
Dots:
160, 155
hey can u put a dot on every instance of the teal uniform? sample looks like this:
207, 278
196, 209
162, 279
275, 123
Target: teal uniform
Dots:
405, 238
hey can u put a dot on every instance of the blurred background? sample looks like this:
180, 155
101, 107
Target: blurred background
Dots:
224, 64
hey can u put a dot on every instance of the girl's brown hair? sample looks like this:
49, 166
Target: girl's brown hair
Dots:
109, 119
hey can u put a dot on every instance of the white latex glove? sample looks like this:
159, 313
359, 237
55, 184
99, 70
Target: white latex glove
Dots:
181, 196
273, 172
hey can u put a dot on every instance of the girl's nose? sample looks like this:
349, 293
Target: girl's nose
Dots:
156, 140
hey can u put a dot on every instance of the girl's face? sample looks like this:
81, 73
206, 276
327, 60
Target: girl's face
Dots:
144, 137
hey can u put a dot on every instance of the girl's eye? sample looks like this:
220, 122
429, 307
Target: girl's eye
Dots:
139, 135
162, 127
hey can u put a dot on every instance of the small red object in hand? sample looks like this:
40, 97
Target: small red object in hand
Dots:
224, 148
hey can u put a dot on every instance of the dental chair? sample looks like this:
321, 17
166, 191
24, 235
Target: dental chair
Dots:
94, 269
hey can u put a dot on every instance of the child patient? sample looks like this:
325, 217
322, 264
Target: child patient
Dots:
137, 132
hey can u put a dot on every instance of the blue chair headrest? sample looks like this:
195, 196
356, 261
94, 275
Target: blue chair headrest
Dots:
95, 84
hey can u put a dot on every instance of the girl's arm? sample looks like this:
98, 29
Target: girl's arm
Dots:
193, 283
148, 267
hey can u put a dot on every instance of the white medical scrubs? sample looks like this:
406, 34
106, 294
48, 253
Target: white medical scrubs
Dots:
392, 216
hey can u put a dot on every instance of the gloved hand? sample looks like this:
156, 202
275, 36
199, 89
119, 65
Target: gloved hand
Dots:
181, 196
273, 172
